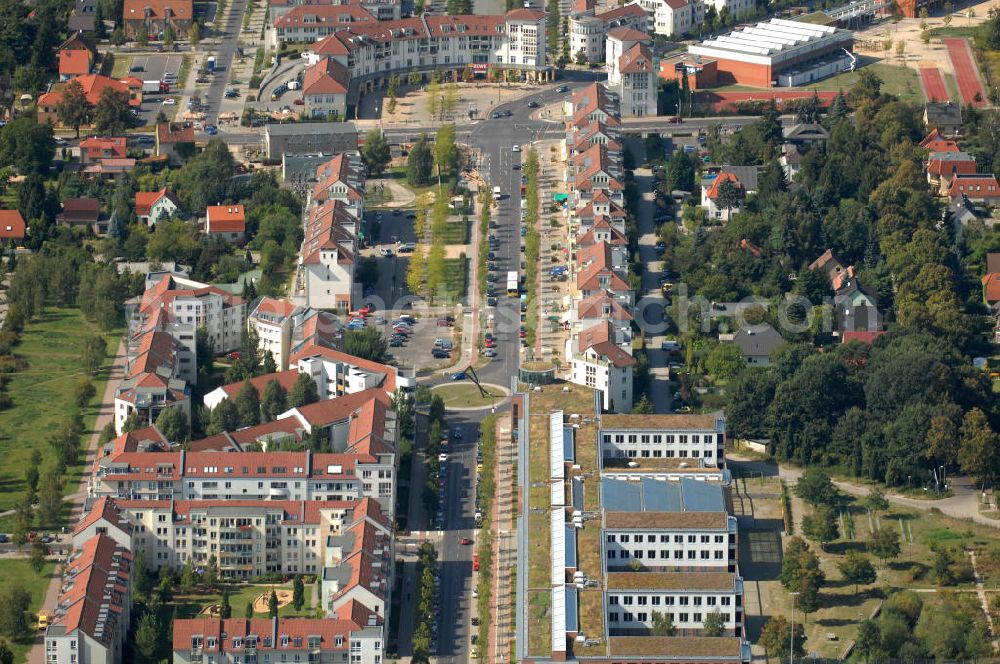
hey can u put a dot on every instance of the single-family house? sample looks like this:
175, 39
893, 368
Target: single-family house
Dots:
151, 206
991, 288
227, 222
978, 188
828, 264
856, 307
757, 342
12, 226
93, 85
324, 88
176, 142
82, 213
945, 116
942, 167
76, 57
723, 192
97, 148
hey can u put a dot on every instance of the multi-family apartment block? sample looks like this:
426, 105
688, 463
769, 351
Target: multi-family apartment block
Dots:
664, 437
632, 71
587, 30
673, 18
90, 620
352, 635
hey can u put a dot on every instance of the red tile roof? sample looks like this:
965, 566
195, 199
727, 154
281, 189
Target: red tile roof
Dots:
269, 633
167, 133
336, 356
105, 509
226, 219
136, 10
11, 225
975, 186
98, 147
93, 85
313, 16
863, 337
75, 62
628, 34
92, 581
145, 200
525, 15
991, 288
636, 60
285, 378
713, 190
326, 77
635, 11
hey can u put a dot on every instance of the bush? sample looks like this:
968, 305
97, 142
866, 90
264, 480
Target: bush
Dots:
254, 83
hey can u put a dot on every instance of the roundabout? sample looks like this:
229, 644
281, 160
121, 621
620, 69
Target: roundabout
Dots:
464, 395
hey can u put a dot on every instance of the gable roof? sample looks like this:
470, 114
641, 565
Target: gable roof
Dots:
285, 378
225, 219
326, 77
313, 16
637, 59
73, 62
981, 185
11, 225
93, 85
627, 34
145, 200
137, 10
991, 288
170, 133
755, 340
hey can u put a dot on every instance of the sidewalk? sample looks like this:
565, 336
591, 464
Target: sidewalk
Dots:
504, 544
104, 414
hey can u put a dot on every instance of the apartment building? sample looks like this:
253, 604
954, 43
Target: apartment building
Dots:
271, 320
90, 621
337, 373
373, 53
587, 30
687, 597
665, 525
159, 370
631, 72
673, 18
383, 10
664, 436
231, 390
353, 635
308, 23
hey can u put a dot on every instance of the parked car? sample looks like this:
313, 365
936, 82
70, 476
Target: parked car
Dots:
562, 88
465, 541
489, 352
458, 376
442, 457
440, 354
533, 104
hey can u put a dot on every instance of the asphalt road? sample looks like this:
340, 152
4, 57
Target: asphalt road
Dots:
224, 53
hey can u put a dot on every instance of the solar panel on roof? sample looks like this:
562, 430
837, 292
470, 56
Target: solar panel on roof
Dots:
572, 610
660, 496
702, 496
577, 494
621, 496
571, 547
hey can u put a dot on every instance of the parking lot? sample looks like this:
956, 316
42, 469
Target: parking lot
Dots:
155, 65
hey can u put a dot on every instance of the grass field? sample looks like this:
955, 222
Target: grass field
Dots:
43, 397
464, 394
841, 607
18, 570
900, 81
456, 272
456, 231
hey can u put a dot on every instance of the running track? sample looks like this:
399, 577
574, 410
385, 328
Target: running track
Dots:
934, 88
965, 72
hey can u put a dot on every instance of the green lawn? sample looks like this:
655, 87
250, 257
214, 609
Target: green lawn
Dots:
189, 606
18, 570
43, 397
952, 31
121, 66
900, 81
456, 272
456, 231
464, 394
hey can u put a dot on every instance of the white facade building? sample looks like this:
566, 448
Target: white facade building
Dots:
632, 73
673, 17
664, 436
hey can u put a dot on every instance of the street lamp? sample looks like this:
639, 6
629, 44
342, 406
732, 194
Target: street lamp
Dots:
791, 631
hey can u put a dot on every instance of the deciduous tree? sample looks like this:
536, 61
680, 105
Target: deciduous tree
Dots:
74, 109
856, 569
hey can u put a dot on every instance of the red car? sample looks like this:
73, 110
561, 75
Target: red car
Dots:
475, 562
523, 334
465, 541
488, 343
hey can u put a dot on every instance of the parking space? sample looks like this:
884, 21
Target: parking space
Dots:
155, 65
417, 350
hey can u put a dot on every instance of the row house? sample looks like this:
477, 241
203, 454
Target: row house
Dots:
597, 169
665, 436
309, 23
588, 30
353, 634
90, 620
600, 359
631, 72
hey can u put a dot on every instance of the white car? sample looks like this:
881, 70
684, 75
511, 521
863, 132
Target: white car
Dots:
442, 457
517, 148
169, 101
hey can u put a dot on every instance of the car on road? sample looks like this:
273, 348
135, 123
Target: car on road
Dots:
211, 130
562, 88
458, 376
533, 104
491, 302
489, 352
516, 148
406, 248
169, 101
456, 433
442, 457
465, 541
495, 116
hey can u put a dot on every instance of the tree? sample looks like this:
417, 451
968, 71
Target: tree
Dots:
225, 609
942, 441
885, 544
189, 578
662, 624
298, 592
147, 635
777, 635
194, 34
552, 32
303, 392
643, 406
714, 624
93, 352
112, 114
367, 343
725, 361
581, 57
979, 449
414, 78
73, 109
224, 417
6, 654
211, 574
248, 611
140, 575
50, 502
37, 555
84, 392
173, 424
248, 404
168, 36
15, 603
816, 488
419, 163
274, 400
801, 573
27, 145
727, 196
272, 605
821, 526
875, 501
375, 153
142, 35
856, 569
445, 152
